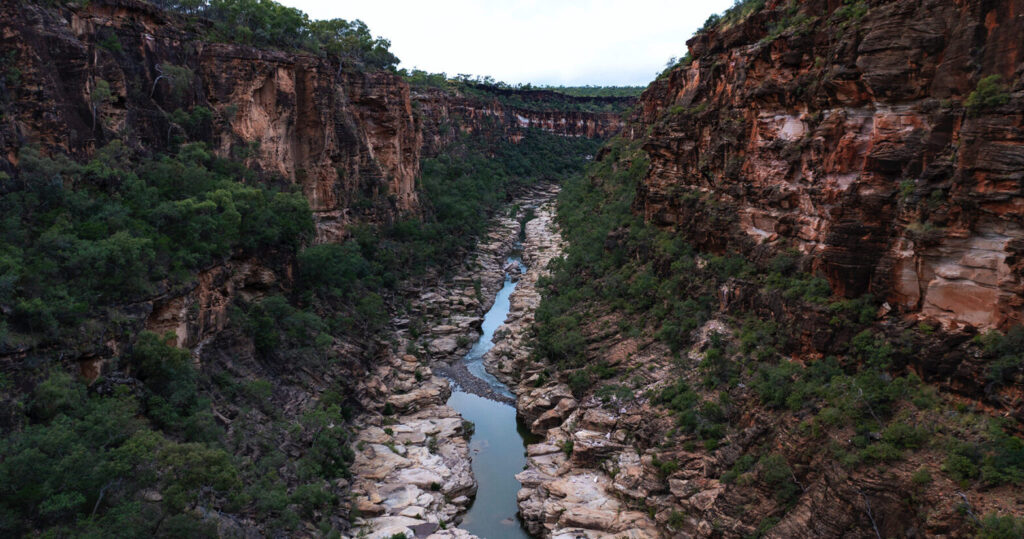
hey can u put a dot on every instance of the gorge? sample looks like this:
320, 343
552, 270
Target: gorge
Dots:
256, 280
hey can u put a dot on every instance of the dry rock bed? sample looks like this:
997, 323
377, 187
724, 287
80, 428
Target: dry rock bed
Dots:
412, 472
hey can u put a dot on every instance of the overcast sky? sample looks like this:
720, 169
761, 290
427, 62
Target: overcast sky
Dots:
570, 42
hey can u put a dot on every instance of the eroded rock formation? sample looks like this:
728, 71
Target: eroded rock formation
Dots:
352, 140
847, 135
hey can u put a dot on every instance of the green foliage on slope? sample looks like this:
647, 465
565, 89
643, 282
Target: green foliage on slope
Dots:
621, 279
460, 188
990, 93
79, 238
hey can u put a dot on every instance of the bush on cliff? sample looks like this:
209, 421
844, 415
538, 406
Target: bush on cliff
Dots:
989, 94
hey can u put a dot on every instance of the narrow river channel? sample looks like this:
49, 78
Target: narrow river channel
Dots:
498, 444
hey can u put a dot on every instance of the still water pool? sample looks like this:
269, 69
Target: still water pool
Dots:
498, 444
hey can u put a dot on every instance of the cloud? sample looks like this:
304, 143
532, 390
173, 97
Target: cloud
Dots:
572, 42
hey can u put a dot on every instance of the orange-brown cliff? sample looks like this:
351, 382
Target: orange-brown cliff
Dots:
351, 139
842, 129
339, 133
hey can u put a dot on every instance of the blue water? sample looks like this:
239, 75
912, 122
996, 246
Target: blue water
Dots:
493, 319
497, 447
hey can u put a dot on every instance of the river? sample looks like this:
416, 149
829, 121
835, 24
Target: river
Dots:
498, 444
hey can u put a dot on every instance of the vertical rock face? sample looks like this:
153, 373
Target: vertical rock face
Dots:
347, 138
848, 135
445, 112
351, 140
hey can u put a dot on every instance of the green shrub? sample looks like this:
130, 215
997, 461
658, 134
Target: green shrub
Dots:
881, 452
1005, 352
904, 436
665, 468
718, 367
990, 93
995, 526
740, 467
961, 462
774, 471
921, 477
851, 12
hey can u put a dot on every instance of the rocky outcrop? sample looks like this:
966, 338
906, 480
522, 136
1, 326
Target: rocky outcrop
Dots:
349, 139
844, 132
568, 488
203, 310
511, 351
412, 467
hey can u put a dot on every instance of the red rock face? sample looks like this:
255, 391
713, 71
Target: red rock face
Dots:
341, 135
444, 113
849, 140
352, 140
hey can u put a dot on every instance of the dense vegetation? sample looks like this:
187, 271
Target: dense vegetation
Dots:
141, 451
461, 187
121, 228
593, 91
624, 279
82, 245
265, 23
124, 460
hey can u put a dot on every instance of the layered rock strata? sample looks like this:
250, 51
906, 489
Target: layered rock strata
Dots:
351, 140
446, 113
846, 132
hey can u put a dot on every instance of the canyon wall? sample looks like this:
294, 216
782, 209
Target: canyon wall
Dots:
447, 113
341, 135
76, 79
351, 139
846, 131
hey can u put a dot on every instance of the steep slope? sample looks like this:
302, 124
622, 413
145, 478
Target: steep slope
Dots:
868, 135
351, 139
782, 304
203, 245
339, 133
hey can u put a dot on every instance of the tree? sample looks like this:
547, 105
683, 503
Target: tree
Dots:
100, 96
179, 77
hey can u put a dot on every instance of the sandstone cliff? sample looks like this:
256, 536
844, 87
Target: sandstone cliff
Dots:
341, 134
448, 111
845, 130
351, 139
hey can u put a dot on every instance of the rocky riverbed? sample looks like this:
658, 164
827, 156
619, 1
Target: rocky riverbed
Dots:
413, 465
412, 471
568, 491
